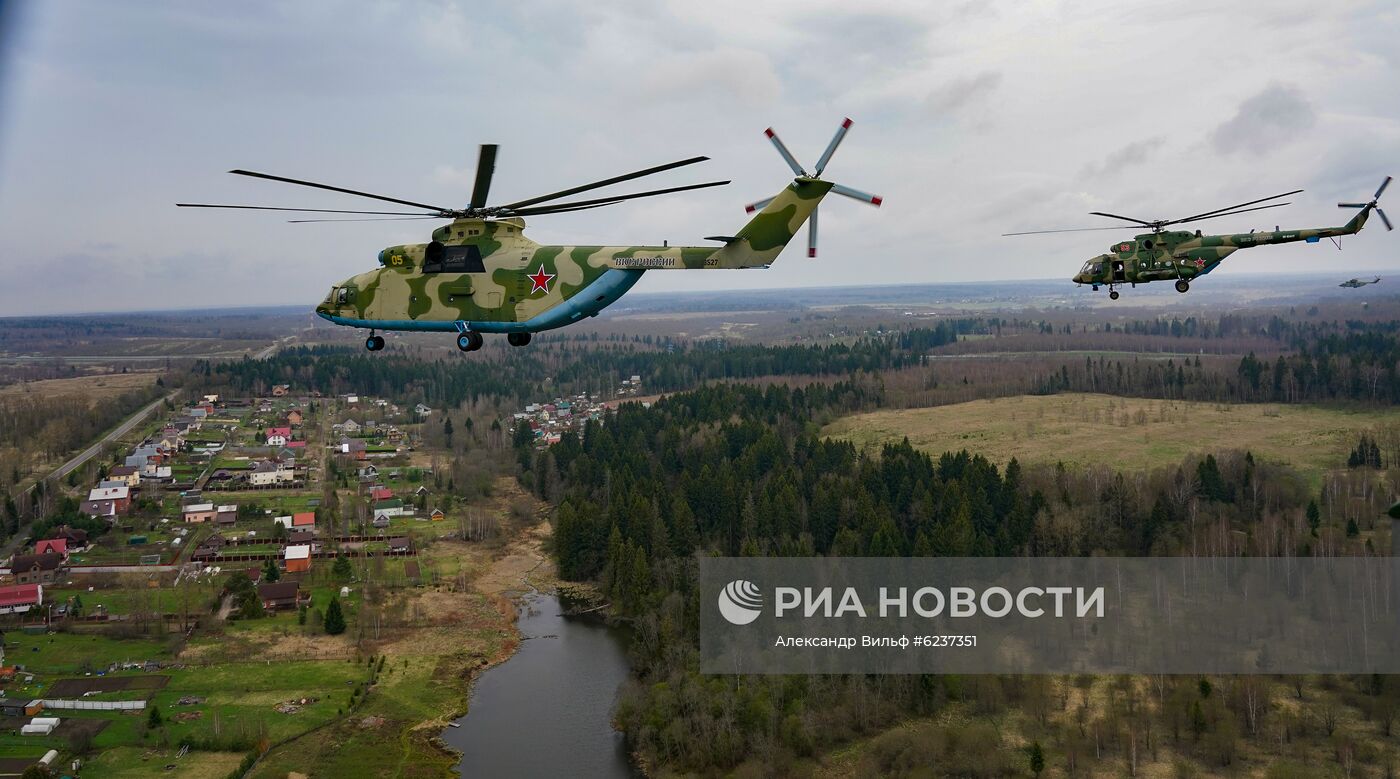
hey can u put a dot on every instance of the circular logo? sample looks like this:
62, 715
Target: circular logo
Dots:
740, 602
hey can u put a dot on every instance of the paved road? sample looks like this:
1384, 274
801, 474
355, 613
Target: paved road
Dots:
87, 454
121, 430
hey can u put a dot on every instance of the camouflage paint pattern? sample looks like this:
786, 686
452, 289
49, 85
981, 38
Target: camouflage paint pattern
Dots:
522, 286
1184, 255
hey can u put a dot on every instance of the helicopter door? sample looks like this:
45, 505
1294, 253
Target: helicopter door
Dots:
1118, 274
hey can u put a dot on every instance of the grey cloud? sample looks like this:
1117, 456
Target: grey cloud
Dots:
1270, 119
1135, 153
959, 93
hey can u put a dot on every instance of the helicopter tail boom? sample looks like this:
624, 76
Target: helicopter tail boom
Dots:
760, 241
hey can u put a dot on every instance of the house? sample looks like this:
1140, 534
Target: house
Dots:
400, 544
394, 507
437, 515
40, 568
268, 473
369, 473
381, 520
200, 512
76, 537
11, 707
226, 515
281, 390
100, 509
349, 427
278, 436
57, 546
380, 492
421, 491
304, 519
355, 447
19, 598
120, 497
282, 595
127, 473
422, 410
297, 558
302, 537
107, 484
294, 418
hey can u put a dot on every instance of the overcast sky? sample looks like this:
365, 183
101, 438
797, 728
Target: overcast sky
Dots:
971, 120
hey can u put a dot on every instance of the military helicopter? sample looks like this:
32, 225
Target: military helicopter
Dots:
480, 274
1183, 256
1356, 283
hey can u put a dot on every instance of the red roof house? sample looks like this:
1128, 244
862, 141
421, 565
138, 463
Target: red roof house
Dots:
380, 493
304, 519
20, 598
55, 545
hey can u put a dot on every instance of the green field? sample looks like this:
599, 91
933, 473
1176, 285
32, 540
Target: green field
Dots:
1126, 433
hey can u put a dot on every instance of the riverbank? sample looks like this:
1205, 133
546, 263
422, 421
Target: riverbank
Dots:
434, 642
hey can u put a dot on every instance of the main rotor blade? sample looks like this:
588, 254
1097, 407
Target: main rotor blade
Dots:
1124, 218
1225, 213
842, 189
485, 168
831, 147
1352, 205
1232, 208
311, 210
605, 182
812, 233
1384, 184
314, 185
613, 199
783, 150
383, 219
1070, 230
1383, 217
558, 209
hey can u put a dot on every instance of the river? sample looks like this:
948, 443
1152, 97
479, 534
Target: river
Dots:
547, 710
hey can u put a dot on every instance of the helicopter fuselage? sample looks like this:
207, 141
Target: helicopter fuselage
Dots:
485, 276
1182, 255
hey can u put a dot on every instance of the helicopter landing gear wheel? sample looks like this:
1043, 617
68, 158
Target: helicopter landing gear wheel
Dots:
1113, 295
374, 343
469, 342
518, 339
1182, 285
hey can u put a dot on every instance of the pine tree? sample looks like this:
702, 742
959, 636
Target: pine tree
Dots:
1037, 758
153, 720
341, 567
335, 619
1314, 517
270, 571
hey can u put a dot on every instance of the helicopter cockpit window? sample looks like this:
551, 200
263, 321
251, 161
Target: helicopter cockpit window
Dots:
1091, 267
345, 295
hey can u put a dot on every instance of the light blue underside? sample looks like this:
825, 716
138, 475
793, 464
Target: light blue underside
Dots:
603, 292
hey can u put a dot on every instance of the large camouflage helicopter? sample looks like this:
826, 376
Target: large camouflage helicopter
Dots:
480, 274
1181, 256
1358, 283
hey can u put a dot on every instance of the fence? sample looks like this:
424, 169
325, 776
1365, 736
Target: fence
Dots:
94, 705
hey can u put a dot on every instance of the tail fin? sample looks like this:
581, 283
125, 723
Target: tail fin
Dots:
760, 241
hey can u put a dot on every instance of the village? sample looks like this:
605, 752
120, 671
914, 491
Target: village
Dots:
549, 421
254, 515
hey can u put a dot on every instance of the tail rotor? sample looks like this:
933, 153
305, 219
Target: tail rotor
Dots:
797, 169
1372, 205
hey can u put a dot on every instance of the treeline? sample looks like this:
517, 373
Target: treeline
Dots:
737, 470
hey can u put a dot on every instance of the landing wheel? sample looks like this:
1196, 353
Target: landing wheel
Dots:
469, 342
374, 343
1113, 295
1182, 285
518, 339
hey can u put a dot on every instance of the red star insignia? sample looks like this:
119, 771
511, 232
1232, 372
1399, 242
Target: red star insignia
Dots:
540, 280
1200, 263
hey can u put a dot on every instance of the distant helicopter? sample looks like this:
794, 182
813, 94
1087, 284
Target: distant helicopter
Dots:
1354, 283
1179, 255
480, 274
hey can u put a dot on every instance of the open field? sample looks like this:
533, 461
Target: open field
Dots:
1128, 433
91, 387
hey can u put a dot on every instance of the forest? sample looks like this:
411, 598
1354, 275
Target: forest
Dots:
739, 470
